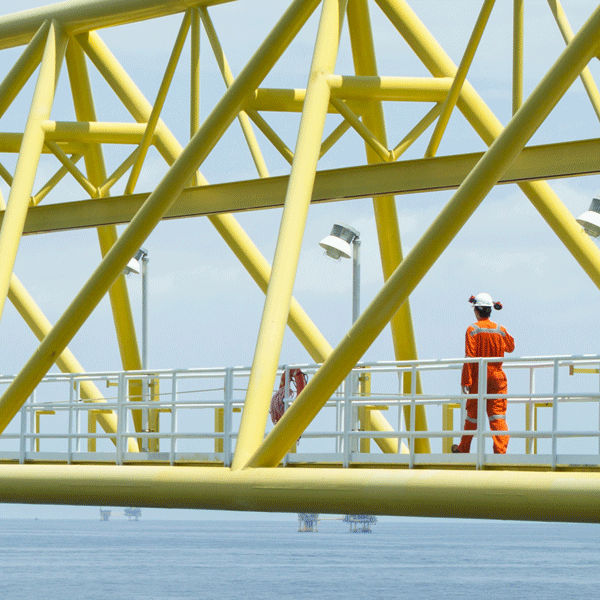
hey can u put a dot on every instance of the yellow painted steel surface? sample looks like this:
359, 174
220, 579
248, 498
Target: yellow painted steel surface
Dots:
67, 33
484, 494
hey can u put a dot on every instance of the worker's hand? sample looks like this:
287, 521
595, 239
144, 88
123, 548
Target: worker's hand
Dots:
465, 389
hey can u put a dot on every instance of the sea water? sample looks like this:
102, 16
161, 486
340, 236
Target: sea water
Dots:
229, 560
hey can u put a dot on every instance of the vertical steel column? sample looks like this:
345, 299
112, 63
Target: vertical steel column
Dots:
83, 101
195, 74
289, 241
517, 88
432, 244
386, 217
29, 156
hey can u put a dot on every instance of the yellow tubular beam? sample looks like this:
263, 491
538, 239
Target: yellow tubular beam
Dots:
289, 241
159, 103
68, 164
23, 68
92, 132
386, 218
270, 134
231, 231
434, 241
358, 89
119, 297
66, 362
567, 33
335, 136
117, 174
53, 182
195, 74
78, 16
489, 127
565, 159
112, 265
416, 131
551, 496
459, 78
517, 88
379, 149
259, 161
29, 155
6, 175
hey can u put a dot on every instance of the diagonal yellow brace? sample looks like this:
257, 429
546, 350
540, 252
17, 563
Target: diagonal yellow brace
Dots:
289, 241
459, 78
159, 103
567, 33
431, 245
146, 219
29, 155
23, 68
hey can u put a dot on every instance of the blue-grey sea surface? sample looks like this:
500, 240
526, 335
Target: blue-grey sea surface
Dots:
230, 560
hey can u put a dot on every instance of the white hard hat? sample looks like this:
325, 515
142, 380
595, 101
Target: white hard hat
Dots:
482, 299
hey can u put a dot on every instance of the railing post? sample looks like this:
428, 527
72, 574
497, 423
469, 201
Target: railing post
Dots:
121, 417
347, 419
71, 406
227, 412
529, 410
554, 412
23, 431
173, 445
481, 411
413, 411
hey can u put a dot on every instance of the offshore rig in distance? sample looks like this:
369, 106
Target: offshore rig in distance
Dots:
309, 522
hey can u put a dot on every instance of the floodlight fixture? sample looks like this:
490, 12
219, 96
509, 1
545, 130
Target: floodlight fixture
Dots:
337, 243
590, 220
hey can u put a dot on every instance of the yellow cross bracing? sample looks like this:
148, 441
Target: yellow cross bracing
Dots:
68, 32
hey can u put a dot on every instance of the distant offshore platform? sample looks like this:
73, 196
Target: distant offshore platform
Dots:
358, 523
132, 514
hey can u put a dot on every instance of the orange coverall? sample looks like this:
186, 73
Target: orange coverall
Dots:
486, 338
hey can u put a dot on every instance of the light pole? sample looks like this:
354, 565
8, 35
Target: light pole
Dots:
337, 246
139, 264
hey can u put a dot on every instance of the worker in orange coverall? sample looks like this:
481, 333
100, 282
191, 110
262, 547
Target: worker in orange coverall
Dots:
485, 338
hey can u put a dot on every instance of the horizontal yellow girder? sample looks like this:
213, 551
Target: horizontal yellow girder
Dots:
535, 496
358, 89
421, 175
78, 16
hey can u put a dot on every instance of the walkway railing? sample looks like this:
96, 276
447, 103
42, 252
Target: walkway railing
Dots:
193, 416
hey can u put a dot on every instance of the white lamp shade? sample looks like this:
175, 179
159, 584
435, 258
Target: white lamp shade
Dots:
133, 266
336, 248
590, 221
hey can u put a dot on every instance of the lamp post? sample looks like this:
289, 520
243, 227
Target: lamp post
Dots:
139, 265
337, 246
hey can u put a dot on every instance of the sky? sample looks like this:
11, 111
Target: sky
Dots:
204, 309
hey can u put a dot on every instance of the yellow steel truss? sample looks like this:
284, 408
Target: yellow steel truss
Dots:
68, 32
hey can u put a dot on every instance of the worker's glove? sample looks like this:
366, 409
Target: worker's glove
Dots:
465, 389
